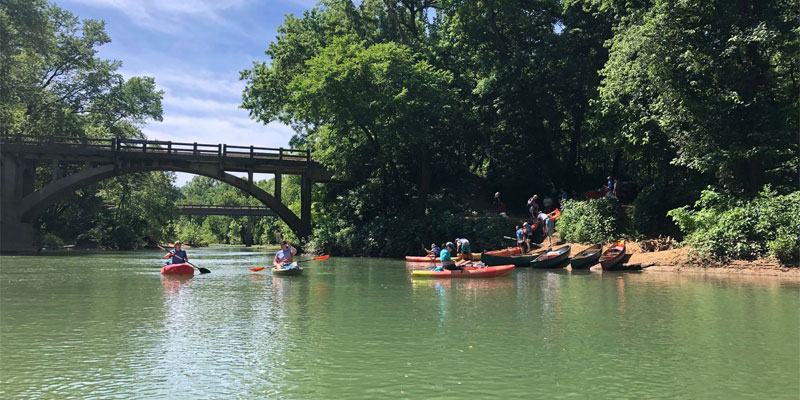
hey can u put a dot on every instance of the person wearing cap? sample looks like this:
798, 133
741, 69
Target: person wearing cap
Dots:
177, 255
609, 186
496, 203
533, 205
521, 238
463, 249
284, 258
434, 251
447, 261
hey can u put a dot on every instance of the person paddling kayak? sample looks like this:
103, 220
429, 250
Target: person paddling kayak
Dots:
284, 258
177, 255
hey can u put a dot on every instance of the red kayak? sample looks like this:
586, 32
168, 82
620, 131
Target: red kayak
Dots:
177, 269
467, 272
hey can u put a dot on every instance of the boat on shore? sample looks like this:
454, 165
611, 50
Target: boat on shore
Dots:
587, 257
552, 259
468, 272
611, 257
518, 260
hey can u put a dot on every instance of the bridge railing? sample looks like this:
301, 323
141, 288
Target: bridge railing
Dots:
208, 207
115, 145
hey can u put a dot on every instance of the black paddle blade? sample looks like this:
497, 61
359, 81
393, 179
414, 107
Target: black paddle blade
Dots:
203, 270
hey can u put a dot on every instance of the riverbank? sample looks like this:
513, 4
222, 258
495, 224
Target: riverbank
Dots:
681, 260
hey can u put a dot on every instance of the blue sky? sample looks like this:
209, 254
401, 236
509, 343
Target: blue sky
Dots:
195, 50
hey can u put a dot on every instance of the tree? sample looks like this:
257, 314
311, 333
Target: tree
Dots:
716, 83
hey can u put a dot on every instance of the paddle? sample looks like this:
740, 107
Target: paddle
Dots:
202, 270
320, 258
532, 244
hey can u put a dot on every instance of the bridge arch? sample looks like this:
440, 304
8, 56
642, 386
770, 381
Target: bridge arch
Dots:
36, 202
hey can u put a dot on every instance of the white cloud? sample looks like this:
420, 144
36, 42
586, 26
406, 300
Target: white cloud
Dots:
171, 16
211, 129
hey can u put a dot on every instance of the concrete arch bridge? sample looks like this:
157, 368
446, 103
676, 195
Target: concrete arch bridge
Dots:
21, 203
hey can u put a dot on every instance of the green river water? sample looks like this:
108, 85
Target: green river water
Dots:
107, 324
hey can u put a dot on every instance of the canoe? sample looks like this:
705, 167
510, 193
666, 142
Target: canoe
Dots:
430, 259
177, 269
587, 258
553, 258
518, 260
611, 257
510, 251
467, 272
287, 271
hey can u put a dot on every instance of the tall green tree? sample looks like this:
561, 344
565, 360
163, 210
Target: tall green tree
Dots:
712, 84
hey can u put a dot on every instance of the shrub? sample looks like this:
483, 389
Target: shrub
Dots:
591, 221
723, 227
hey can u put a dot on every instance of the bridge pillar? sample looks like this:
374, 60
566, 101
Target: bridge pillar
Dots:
305, 200
16, 181
278, 185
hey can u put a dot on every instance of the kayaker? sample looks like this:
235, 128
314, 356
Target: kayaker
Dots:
521, 238
463, 249
177, 255
434, 251
285, 256
447, 261
530, 231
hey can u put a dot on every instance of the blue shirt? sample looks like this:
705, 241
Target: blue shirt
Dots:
181, 253
520, 234
445, 256
436, 251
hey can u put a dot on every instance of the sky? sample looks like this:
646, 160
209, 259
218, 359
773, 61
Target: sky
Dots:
195, 49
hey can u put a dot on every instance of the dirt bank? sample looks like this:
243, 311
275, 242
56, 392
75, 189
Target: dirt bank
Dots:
681, 260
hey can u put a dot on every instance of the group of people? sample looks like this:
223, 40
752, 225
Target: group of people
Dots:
284, 258
460, 247
526, 233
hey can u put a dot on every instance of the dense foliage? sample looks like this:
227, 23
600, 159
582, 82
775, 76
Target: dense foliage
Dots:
724, 227
411, 100
220, 229
54, 85
596, 220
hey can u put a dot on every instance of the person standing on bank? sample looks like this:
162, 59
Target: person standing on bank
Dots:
177, 255
285, 257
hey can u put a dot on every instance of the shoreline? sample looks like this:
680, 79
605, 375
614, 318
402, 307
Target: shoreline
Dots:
679, 260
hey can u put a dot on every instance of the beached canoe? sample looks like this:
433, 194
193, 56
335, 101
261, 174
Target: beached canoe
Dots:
467, 272
287, 271
553, 258
611, 257
177, 269
587, 258
510, 251
518, 260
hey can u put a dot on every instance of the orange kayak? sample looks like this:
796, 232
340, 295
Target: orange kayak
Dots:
177, 269
467, 272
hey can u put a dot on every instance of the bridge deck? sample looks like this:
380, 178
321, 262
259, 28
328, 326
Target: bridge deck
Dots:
201, 209
233, 158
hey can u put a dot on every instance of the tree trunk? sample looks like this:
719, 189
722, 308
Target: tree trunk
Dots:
425, 175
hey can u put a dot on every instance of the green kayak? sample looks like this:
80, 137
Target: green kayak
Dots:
287, 271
